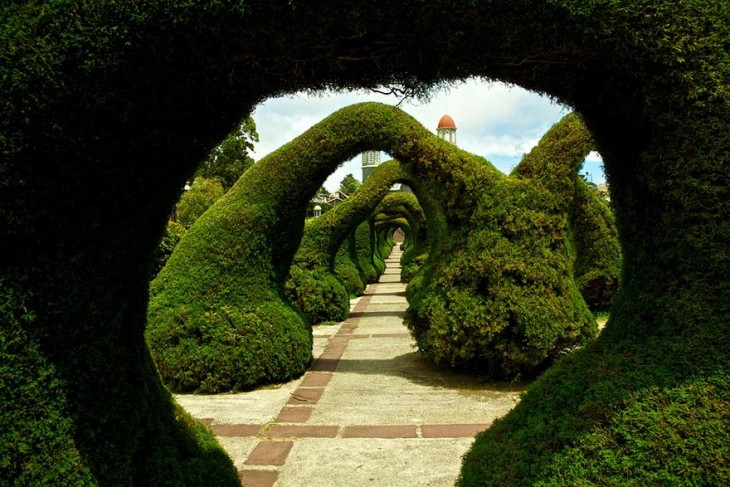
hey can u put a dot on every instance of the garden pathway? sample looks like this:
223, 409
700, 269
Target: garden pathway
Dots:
369, 412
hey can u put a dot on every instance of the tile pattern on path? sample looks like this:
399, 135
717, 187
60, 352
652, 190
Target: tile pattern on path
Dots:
370, 411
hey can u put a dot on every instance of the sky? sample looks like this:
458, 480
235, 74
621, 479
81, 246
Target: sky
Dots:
493, 120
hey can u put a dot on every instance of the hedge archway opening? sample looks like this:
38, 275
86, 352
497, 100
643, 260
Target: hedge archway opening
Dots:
125, 99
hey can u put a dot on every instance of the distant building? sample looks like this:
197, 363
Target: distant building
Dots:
335, 198
446, 129
370, 160
320, 198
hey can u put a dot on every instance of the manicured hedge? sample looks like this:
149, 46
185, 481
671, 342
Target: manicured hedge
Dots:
503, 299
347, 271
362, 248
107, 107
598, 263
594, 234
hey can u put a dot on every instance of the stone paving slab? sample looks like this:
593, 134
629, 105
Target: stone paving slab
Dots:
256, 407
374, 462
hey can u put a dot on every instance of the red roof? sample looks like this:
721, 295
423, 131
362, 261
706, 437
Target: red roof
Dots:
446, 122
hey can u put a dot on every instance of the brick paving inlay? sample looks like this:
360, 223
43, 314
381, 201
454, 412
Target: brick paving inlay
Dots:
292, 414
316, 379
236, 429
258, 478
302, 431
378, 431
270, 453
306, 395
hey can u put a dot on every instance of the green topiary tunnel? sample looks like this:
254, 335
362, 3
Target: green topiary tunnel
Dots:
313, 287
415, 247
106, 108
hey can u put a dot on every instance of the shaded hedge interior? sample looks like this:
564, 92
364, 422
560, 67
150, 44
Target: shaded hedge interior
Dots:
107, 108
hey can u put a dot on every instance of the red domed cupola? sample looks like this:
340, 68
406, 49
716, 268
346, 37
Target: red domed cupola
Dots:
446, 122
447, 129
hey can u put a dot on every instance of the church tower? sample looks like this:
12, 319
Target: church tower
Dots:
370, 160
447, 129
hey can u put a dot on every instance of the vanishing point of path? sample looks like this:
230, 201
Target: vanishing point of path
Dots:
369, 412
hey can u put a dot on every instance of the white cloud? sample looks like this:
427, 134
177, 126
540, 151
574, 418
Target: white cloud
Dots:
493, 120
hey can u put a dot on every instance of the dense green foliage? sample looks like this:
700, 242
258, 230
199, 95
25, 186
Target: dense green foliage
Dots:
173, 233
346, 268
361, 248
349, 185
107, 107
196, 200
593, 231
313, 287
598, 263
231, 157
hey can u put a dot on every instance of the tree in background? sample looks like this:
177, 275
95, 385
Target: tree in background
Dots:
218, 173
349, 184
229, 160
201, 196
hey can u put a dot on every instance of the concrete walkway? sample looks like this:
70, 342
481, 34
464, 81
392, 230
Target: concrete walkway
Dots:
370, 411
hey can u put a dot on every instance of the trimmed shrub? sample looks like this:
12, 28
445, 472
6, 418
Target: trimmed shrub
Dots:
598, 263
503, 299
506, 303
598, 253
318, 294
347, 272
362, 247
411, 266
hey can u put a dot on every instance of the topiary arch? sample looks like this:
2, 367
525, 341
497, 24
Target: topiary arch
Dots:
107, 108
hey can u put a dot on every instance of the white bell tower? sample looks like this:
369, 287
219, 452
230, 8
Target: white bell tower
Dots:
370, 160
